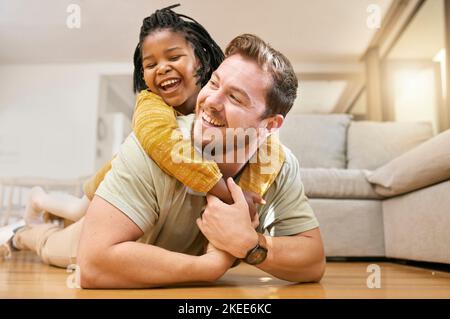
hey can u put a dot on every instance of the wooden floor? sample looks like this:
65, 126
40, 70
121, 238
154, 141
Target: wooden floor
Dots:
24, 276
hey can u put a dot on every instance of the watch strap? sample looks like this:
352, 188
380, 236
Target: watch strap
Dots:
261, 245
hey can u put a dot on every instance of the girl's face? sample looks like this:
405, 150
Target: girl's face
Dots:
170, 65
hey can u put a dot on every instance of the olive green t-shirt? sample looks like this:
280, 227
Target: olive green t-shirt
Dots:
166, 210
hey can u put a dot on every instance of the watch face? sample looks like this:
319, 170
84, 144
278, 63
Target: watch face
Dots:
257, 256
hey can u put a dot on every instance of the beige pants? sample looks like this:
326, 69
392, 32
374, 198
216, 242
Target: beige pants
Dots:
55, 245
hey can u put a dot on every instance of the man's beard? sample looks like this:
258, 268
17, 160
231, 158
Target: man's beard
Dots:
239, 144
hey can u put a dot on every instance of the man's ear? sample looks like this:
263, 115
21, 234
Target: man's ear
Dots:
274, 123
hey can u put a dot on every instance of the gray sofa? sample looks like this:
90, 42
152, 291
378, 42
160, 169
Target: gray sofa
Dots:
379, 189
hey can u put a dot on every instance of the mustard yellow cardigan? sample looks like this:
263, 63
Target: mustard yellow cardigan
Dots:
156, 127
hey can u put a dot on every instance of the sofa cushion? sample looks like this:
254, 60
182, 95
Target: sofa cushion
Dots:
337, 183
416, 225
373, 144
426, 164
350, 227
317, 140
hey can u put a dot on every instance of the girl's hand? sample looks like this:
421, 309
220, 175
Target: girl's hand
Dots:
252, 200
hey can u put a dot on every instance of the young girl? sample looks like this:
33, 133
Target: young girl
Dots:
174, 58
155, 121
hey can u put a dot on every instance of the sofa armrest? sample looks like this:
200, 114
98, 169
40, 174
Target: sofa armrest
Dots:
424, 165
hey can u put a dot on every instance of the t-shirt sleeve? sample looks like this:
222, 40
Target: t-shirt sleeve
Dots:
287, 211
129, 185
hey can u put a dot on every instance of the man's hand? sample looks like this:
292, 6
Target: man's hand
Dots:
229, 227
221, 256
216, 261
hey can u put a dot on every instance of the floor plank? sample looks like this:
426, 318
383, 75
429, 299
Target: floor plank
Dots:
24, 276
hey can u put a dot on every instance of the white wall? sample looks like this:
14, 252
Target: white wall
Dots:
48, 115
415, 96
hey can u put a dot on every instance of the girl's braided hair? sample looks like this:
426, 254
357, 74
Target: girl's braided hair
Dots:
205, 48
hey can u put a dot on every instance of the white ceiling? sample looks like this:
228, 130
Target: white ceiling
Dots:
318, 96
308, 32
424, 36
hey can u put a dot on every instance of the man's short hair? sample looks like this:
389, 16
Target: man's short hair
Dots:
282, 93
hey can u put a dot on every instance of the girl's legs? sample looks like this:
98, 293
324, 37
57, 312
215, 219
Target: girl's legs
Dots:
62, 205
55, 245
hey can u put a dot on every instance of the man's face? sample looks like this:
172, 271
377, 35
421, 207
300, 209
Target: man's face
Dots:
235, 97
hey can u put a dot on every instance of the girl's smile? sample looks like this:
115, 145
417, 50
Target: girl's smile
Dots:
170, 66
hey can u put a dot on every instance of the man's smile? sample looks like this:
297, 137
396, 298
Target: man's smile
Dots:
210, 121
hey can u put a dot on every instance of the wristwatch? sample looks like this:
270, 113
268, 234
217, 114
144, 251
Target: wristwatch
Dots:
257, 254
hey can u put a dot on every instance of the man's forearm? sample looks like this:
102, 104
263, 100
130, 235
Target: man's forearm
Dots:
294, 258
137, 265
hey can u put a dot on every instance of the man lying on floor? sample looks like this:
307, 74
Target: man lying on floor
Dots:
144, 228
